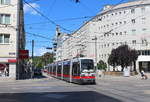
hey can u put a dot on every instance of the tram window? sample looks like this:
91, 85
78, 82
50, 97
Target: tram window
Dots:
54, 69
76, 69
148, 52
87, 64
66, 68
59, 69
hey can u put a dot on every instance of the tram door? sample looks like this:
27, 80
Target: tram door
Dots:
76, 70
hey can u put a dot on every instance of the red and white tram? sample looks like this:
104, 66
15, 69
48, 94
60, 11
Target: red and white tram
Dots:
76, 70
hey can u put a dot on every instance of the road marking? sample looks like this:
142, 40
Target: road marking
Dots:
57, 96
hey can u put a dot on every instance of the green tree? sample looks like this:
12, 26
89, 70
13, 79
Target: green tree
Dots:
101, 65
47, 58
113, 58
123, 56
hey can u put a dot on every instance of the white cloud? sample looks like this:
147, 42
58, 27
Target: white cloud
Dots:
41, 51
28, 9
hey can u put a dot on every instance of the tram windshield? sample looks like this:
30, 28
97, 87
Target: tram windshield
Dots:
87, 64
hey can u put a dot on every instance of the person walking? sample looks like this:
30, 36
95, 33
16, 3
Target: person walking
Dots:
143, 75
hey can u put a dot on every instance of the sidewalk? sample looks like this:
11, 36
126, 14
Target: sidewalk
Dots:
7, 79
122, 78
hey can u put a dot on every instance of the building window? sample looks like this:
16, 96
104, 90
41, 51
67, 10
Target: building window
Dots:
119, 12
125, 22
5, 2
4, 19
4, 38
108, 45
133, 31
120, 33
143, 9
100, 19
132, 10
125, 32
144, 29
133, 21
107, 25
133, 42
143, 20
116, 33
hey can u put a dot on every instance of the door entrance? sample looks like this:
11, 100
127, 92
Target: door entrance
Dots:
145, 66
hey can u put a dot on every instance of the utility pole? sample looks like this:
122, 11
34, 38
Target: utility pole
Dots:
32, 58
95, 38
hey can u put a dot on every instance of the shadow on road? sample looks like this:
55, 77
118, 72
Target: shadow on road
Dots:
79, 96
39, 76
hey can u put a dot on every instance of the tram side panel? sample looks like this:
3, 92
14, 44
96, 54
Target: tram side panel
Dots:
66, 71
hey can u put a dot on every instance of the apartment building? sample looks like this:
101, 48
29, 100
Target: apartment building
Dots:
12, 37
124, 24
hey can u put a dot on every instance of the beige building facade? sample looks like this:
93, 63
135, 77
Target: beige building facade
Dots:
124, 24
10, 34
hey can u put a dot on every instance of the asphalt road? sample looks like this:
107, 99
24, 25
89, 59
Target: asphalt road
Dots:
108, 89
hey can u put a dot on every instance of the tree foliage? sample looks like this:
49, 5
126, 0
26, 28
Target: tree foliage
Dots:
101, 65
41, 61
122, 56
47, 58
112, 60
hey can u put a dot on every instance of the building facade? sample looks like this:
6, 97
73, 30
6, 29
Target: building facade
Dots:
124, 24
12, 37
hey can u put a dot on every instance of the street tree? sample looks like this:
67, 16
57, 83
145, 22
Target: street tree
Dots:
123, 56
133, 58
101, 65
47, 58
113, 58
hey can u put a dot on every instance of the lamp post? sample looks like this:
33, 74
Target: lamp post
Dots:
80, 45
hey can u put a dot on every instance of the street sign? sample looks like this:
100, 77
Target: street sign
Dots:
12, 60
23, 54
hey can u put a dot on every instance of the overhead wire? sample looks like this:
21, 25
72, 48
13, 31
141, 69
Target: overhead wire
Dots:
62, 20
41, 14
37, 35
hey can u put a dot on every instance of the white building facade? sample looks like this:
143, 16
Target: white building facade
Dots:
123, 24
9, 36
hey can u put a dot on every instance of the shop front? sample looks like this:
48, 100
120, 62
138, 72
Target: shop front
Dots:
143, 63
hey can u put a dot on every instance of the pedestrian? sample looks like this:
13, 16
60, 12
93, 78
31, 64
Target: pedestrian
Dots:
143, 75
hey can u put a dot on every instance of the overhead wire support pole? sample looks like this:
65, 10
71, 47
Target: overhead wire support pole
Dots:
32, 58
95, 38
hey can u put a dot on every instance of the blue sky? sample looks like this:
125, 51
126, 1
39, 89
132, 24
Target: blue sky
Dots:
61, 12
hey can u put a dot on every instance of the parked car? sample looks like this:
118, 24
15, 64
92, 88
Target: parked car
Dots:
37, 71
